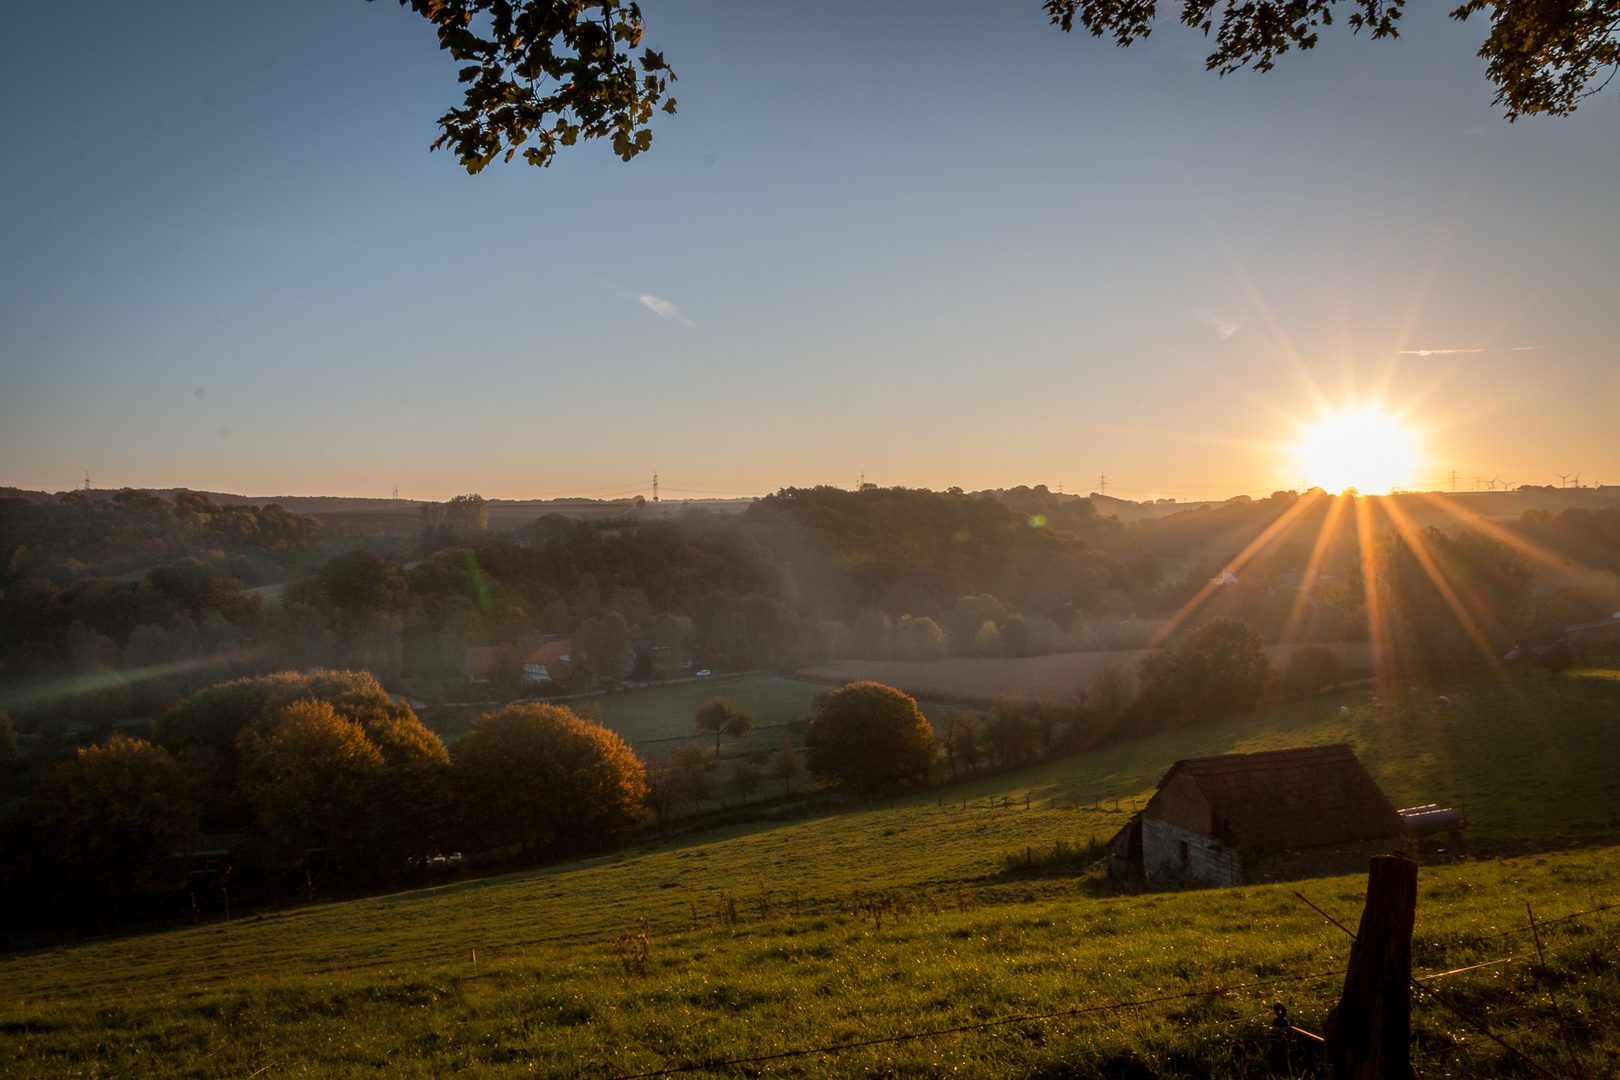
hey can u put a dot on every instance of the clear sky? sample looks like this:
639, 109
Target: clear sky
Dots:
932, 243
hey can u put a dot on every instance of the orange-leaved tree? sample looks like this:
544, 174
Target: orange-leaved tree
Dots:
544, 777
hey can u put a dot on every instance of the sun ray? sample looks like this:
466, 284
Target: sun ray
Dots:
1420, 551
1490, 528
1284, 520
1376, 628
61, 689
1420, 294
1324, 537
1278, 335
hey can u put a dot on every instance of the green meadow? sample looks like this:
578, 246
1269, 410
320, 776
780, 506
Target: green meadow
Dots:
669, 712
898, 920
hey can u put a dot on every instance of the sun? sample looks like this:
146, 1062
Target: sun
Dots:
1362, 448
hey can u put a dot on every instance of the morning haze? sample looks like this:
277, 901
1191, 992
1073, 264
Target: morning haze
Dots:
916, 542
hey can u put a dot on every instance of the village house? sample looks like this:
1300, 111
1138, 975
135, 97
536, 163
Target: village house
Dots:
551, 662
1242, 818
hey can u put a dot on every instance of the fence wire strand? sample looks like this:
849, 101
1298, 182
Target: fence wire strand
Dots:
933, 1033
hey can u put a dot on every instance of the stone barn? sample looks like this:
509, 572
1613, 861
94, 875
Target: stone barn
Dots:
1242, 818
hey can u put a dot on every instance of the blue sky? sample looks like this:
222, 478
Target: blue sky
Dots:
935, 243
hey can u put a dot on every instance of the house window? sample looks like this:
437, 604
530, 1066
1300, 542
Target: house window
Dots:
1186, 854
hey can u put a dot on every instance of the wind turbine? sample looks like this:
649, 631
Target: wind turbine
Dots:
1563, 478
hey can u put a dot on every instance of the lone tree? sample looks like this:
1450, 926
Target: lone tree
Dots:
543, 777
868, 737
723, 717
542, 74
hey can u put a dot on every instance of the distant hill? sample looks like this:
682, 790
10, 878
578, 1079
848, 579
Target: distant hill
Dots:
402, 515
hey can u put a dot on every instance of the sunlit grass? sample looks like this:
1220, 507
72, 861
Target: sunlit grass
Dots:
200, 1002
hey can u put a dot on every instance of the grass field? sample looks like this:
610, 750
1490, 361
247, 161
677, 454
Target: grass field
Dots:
389, 983
358, 989
644, 716
1057, 678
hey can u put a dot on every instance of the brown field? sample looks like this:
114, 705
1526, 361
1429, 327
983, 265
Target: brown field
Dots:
1057, 678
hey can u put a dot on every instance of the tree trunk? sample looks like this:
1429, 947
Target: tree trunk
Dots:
1369, 1030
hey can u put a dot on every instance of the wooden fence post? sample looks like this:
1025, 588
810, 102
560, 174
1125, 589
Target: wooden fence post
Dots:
1369, 1030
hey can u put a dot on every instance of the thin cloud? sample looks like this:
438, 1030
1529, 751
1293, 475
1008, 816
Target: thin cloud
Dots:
1224, 327
656, 304
664, 308
1461, 352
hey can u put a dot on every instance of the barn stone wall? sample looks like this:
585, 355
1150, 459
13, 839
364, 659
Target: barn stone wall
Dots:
1205, 857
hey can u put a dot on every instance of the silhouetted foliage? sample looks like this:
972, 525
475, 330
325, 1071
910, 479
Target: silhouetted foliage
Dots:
93, 836
548, 71
1543, 58
543, 74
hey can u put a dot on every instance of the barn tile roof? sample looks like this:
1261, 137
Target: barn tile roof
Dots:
1289, 799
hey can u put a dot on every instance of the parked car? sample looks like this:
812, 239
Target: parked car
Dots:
704, 674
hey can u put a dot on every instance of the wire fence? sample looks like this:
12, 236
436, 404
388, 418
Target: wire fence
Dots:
1439, 1041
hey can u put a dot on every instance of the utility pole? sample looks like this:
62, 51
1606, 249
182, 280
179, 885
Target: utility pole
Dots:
655, 487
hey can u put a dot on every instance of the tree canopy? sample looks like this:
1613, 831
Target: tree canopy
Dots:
543, 74
91, 836
868, 737
1543, 57
543, 777
1219, 669
554, 71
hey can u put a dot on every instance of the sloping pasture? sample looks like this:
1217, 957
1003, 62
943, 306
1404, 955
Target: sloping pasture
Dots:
886, 919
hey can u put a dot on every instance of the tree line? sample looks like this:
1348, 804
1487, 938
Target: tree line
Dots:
803, 576
320, 782
76, 535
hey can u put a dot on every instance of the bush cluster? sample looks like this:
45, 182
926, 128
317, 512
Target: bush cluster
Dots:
299, 776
